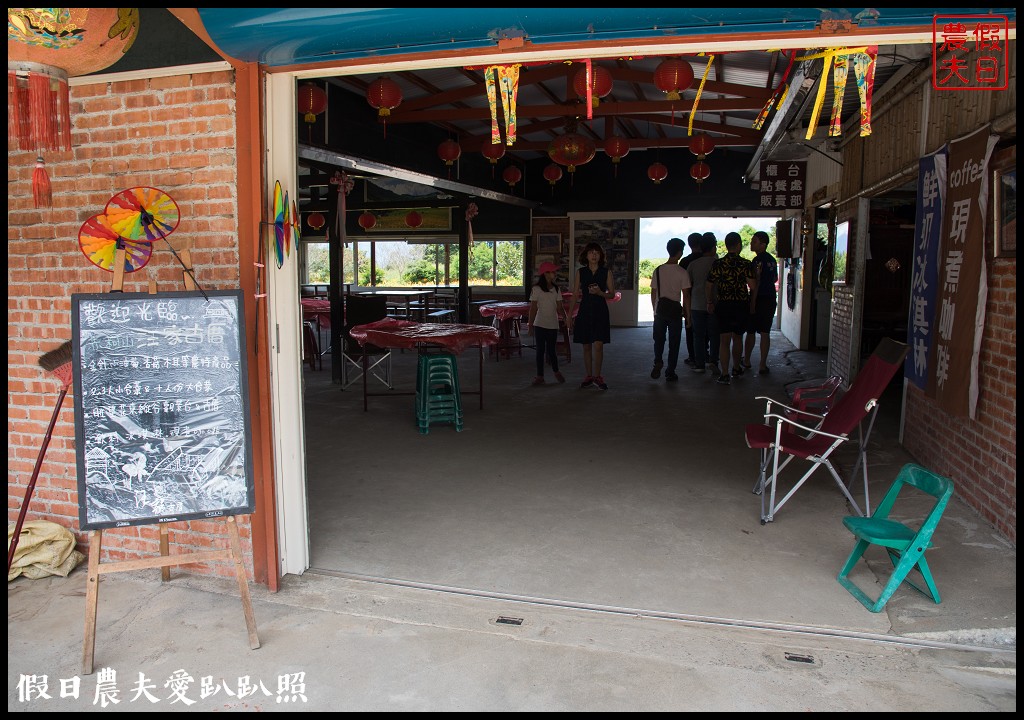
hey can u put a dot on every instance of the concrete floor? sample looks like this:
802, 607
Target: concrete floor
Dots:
619, 527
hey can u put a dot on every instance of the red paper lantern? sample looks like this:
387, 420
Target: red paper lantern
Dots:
413, 219
311, 101
572, 149
384, 95
493, 152
700, 171
449, 151
657, 172
512, 175
600, 83
701, 145
617, 147
316, 220
367, 221
552, 173
673, 76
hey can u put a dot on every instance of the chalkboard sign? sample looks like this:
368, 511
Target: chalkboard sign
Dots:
161, 407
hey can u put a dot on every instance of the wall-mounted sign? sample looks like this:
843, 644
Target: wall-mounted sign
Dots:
783, 183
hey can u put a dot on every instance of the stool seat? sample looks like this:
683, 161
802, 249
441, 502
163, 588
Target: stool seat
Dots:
438, 398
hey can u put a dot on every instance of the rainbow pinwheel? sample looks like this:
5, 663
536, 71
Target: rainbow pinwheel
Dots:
98, 242
296, 223
279, 223
142, 213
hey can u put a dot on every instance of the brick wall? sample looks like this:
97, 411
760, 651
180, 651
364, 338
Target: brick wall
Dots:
980, 455
173, 133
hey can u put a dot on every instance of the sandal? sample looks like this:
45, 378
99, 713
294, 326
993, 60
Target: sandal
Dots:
737, 371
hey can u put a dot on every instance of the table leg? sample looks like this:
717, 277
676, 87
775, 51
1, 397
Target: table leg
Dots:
481, 377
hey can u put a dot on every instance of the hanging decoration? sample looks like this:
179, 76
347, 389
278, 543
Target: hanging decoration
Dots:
553, 173
617, 147
493, 152
506, 79
449, 151
343, 184
701, 145
700, 91
657, 172
471, 212
778, 95
512, 175
592, 82
282, 226
384, 95
863, 59
700, 172
311, 100
672, 77
296, 224
316, 220
840, 71
367, 220
413, 219
46, 46
571, 150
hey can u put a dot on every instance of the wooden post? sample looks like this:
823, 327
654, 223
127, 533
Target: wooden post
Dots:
187, 273
117, 284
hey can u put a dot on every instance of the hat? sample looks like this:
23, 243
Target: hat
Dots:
547, 267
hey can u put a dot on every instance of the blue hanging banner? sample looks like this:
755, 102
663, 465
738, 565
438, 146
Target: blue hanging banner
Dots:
931, 189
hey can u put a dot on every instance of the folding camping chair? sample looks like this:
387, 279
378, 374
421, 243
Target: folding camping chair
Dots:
358, 359
904, 545
817, 436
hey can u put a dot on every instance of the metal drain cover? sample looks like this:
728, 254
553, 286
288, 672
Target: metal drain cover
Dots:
502, 620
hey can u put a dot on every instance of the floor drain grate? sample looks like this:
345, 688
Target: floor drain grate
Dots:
502, 620
793, 657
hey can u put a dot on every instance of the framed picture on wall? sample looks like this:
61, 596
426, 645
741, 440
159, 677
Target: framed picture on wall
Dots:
549, 243
1004, 207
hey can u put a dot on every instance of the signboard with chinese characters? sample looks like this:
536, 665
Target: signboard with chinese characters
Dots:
970, 52
161, 408
782, 184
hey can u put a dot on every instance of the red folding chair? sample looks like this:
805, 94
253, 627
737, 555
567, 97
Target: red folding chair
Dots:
795, 433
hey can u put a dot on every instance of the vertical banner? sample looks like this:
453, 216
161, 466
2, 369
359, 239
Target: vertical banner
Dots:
963, 287
931, 188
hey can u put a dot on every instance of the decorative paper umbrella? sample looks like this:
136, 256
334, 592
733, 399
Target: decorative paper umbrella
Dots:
142, 213
98, 242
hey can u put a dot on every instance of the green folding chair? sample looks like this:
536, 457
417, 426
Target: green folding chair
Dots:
905, 546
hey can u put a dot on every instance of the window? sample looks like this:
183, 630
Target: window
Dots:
397, 263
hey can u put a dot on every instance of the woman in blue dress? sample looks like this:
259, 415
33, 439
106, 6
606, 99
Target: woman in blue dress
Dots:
593, 287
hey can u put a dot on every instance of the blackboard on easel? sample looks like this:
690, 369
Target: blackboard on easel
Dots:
161, 408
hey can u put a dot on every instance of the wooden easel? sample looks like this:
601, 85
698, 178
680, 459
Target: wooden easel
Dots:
233, 552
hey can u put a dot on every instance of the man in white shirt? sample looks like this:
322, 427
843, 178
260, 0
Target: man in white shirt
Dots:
669, 283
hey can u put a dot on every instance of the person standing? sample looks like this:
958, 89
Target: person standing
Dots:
705, 324
764, 301
669, 283
593, 287
693, 240
728, 297
545, 307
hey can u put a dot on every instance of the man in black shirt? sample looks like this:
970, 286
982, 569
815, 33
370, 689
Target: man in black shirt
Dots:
763, 301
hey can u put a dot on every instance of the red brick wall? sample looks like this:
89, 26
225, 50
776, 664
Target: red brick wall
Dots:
173, 133
979, 455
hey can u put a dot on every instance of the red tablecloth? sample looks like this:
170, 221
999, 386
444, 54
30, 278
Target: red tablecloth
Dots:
392, 333
319, 310
505, 310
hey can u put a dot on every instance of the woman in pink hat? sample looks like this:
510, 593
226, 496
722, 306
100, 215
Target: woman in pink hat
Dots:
545, 308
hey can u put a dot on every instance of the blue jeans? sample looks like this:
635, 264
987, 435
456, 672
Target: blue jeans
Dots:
705, 336
675, 333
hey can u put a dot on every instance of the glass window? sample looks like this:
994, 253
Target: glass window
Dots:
398, 263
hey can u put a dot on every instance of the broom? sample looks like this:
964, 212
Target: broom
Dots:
58, 363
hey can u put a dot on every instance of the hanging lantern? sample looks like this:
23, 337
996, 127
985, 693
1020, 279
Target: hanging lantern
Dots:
617, 148
673, 76
46, 46
493, 152
700, 171
701, 145
552, 173
572, 149
600, 83
449, 151
413, 219
657, 172
367, 221
512, 175
316, 220
384, 95
311, 100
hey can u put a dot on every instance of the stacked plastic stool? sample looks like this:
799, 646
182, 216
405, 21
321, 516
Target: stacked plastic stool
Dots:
437, 391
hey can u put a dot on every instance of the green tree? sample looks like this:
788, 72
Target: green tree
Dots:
510, 263
646, 271
318, 263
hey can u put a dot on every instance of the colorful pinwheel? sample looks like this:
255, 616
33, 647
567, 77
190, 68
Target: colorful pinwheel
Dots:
279, 224
296, 224
142, 213
98, 242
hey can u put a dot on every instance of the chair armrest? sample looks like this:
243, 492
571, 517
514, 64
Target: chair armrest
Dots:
811, 430
797, 411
